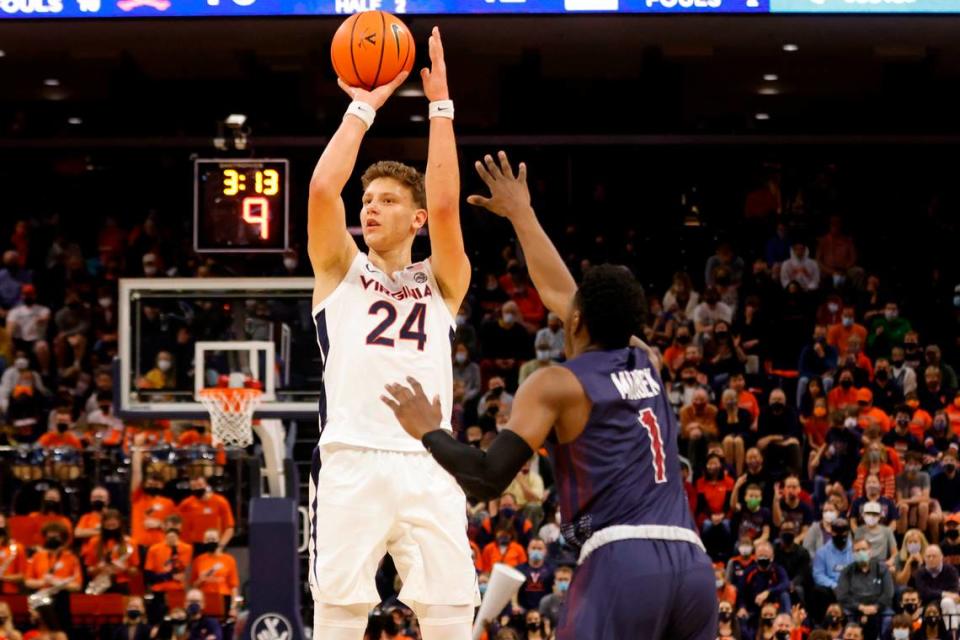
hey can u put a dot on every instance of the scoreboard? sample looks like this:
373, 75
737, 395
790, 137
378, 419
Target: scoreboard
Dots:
240, 206
25, 9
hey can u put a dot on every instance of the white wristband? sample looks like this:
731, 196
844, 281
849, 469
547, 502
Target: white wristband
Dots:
363, 111
441, 109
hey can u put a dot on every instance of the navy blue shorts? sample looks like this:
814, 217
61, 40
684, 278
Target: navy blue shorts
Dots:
642, 590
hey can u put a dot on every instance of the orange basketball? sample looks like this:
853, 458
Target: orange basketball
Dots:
371, 48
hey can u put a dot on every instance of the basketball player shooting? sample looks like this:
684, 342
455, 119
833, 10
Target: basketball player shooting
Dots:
377, 316
643, 572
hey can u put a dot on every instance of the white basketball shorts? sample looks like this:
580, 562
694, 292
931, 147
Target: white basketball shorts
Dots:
365, 503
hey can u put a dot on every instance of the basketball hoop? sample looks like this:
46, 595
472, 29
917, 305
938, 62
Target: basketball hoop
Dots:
231, 413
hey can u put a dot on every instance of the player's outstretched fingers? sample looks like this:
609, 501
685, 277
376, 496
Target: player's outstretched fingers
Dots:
416, 386
492, 166
484, 174
505, 164
522, 173
390, 403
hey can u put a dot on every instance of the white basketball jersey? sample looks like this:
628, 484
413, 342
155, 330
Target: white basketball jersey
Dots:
376, 329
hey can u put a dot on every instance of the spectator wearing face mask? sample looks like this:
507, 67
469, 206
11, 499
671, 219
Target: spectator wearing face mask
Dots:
28, 321
165, 569
698, 423
912, 608
857, 362
901, 628
539, 576
535, 628
728, 626
914, 502
753, 520
939, 439
741, 564
553, 335
675, 355
465, 333
551, 605
761, 627
950, 545
466, 371
879, 537
900, 438
887, 395
51, 510
745, 398
766, 582
203, 510
821, 533
795, 560
779, 434
874, 462
834, 621
830, 561
934, 624
844, 395
503, 549
910, 557
111, 554
62, 435
888, 330
200, 626
162, 376
89, 524
714, 490
838, 335
55, 565
873, 493
506, 513
134, 625
904, 376
934, 358
543, 360
148, 506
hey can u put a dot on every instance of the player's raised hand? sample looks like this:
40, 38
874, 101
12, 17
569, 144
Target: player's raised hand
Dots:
435, 78
378, 96
509, 193
415, 413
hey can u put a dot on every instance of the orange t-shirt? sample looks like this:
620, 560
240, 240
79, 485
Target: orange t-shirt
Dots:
514, 556
838, 398
727, 594
838, 336
161, 559
143, 507
199, 515
816, 430
215, 573
17, 566
920, 423
54, 439
114, 551
674, 357
61, 564
874, 417
88, 521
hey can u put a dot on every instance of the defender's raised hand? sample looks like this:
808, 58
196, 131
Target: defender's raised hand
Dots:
509, 194
377, 97
416, 414
435, 78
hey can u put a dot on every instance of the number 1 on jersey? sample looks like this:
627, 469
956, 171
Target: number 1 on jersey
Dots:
418, 316
648, 419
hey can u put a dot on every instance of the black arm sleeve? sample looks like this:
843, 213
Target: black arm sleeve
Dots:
482, 475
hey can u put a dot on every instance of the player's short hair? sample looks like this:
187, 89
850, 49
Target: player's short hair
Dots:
613, 305
402, 173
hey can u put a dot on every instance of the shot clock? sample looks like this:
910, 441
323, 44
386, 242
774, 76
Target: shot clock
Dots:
240, 205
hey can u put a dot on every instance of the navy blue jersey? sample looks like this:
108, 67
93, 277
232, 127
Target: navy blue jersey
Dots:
624, 468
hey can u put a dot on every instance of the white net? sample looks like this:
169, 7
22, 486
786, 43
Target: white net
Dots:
231, 414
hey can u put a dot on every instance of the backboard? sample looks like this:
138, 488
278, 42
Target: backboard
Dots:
261, 328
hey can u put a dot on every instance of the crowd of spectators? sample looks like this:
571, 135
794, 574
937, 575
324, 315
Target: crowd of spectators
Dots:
817, 405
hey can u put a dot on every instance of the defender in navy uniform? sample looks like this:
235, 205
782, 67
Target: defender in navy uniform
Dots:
643, 572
